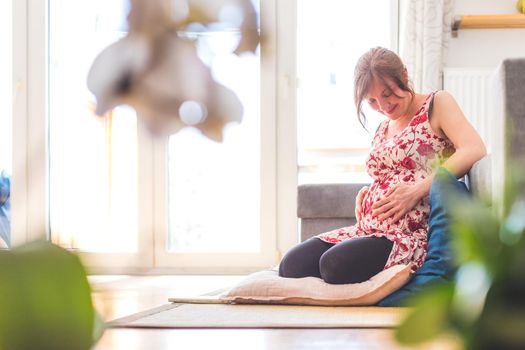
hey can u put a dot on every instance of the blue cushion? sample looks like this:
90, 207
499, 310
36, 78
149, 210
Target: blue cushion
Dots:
438, 265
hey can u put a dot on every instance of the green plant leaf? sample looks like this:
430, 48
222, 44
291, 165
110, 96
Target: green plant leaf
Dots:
475, 230
45, 299
430, 315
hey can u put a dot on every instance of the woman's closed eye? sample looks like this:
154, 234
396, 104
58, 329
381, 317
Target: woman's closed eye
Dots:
385, 94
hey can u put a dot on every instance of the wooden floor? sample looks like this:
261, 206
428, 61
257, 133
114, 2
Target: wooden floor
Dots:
119, 296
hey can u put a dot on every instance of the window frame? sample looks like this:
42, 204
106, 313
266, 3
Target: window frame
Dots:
29, 210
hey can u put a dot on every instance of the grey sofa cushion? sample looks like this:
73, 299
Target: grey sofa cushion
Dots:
313, 226
327, 200
325, 207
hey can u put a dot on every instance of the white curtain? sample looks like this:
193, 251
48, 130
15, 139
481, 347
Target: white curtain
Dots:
425, 41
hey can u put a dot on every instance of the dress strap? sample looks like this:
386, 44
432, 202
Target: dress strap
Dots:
379, 127
431, 104
380, 131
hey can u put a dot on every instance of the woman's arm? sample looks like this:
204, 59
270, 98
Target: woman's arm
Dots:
449, 121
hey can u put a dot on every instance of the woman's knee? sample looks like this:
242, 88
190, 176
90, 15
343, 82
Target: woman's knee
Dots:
285, 265
331, 269
303, 259
335, 271
354, 261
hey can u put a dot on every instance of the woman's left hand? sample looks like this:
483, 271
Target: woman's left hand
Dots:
398, 201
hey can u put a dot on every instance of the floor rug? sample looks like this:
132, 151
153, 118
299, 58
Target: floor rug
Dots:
211, 313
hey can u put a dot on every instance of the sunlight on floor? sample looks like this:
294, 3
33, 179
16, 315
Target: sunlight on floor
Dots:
117, 296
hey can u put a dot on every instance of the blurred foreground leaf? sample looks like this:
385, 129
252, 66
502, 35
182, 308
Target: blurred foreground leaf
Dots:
429, 318
473, 231
45, 300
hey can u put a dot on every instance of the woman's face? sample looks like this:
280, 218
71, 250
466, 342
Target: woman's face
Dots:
388, 99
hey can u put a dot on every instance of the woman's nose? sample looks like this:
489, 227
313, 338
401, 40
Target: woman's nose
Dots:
384, 104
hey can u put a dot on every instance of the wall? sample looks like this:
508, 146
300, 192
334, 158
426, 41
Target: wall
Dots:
484, 47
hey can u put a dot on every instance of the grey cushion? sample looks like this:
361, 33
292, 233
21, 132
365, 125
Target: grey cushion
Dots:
327, 200
314, 226
325, 207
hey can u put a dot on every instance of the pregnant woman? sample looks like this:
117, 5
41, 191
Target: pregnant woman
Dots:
420, 133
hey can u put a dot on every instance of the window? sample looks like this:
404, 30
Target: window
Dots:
331, 36
121, 197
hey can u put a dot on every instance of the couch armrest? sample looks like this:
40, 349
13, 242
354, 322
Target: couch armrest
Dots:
479, 177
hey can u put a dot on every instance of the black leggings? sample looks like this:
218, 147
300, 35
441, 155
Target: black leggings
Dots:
352, 261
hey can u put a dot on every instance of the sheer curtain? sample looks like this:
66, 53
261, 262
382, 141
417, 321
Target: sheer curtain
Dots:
425, 41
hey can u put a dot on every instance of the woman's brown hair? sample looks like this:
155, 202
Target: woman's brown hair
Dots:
377, 63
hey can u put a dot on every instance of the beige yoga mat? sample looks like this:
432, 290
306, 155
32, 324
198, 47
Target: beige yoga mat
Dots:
206, 314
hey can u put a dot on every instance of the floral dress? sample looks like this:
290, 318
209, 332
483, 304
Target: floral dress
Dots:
405, 158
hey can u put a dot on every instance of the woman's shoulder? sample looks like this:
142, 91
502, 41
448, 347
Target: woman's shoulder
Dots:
445, 111
444, 97
443, 103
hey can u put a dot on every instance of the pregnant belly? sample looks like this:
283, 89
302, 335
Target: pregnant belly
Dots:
414, 220
369, 221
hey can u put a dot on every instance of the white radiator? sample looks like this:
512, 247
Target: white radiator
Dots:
480, 94
473, 90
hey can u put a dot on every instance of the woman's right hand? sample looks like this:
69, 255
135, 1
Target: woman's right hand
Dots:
359, 201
